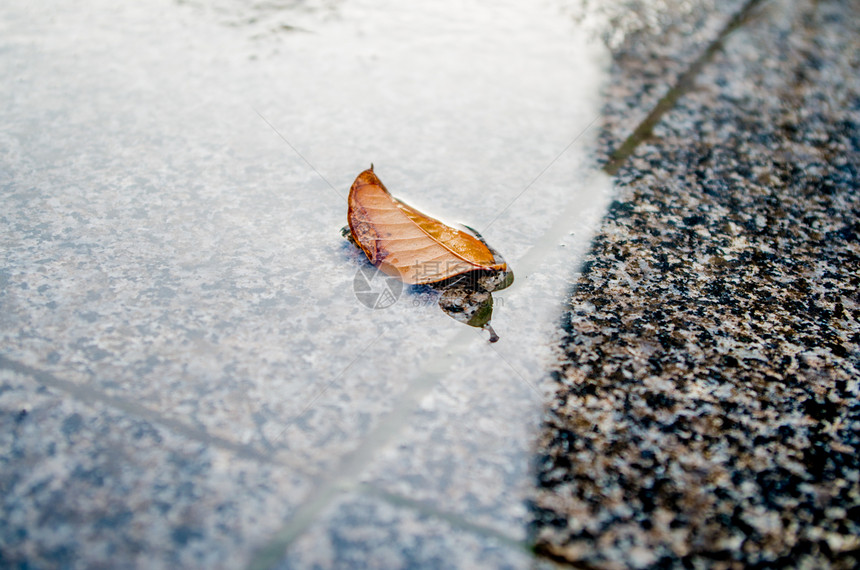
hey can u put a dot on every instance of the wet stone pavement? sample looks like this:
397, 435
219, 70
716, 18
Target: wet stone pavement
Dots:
176, 393
187, 377
707, 412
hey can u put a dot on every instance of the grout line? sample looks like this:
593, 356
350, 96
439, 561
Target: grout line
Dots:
87, 394
682, 86
453, 519
354, 462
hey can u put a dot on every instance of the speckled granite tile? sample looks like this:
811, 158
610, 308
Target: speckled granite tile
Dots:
708, 413
84, 486
367, 532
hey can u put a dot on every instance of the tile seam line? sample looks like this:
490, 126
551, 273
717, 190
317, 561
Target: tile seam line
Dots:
87, 395
351, 464
682, 86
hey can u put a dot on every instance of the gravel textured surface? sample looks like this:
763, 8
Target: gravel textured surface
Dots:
707, 412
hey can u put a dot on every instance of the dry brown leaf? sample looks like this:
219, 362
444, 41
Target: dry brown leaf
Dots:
408, 244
